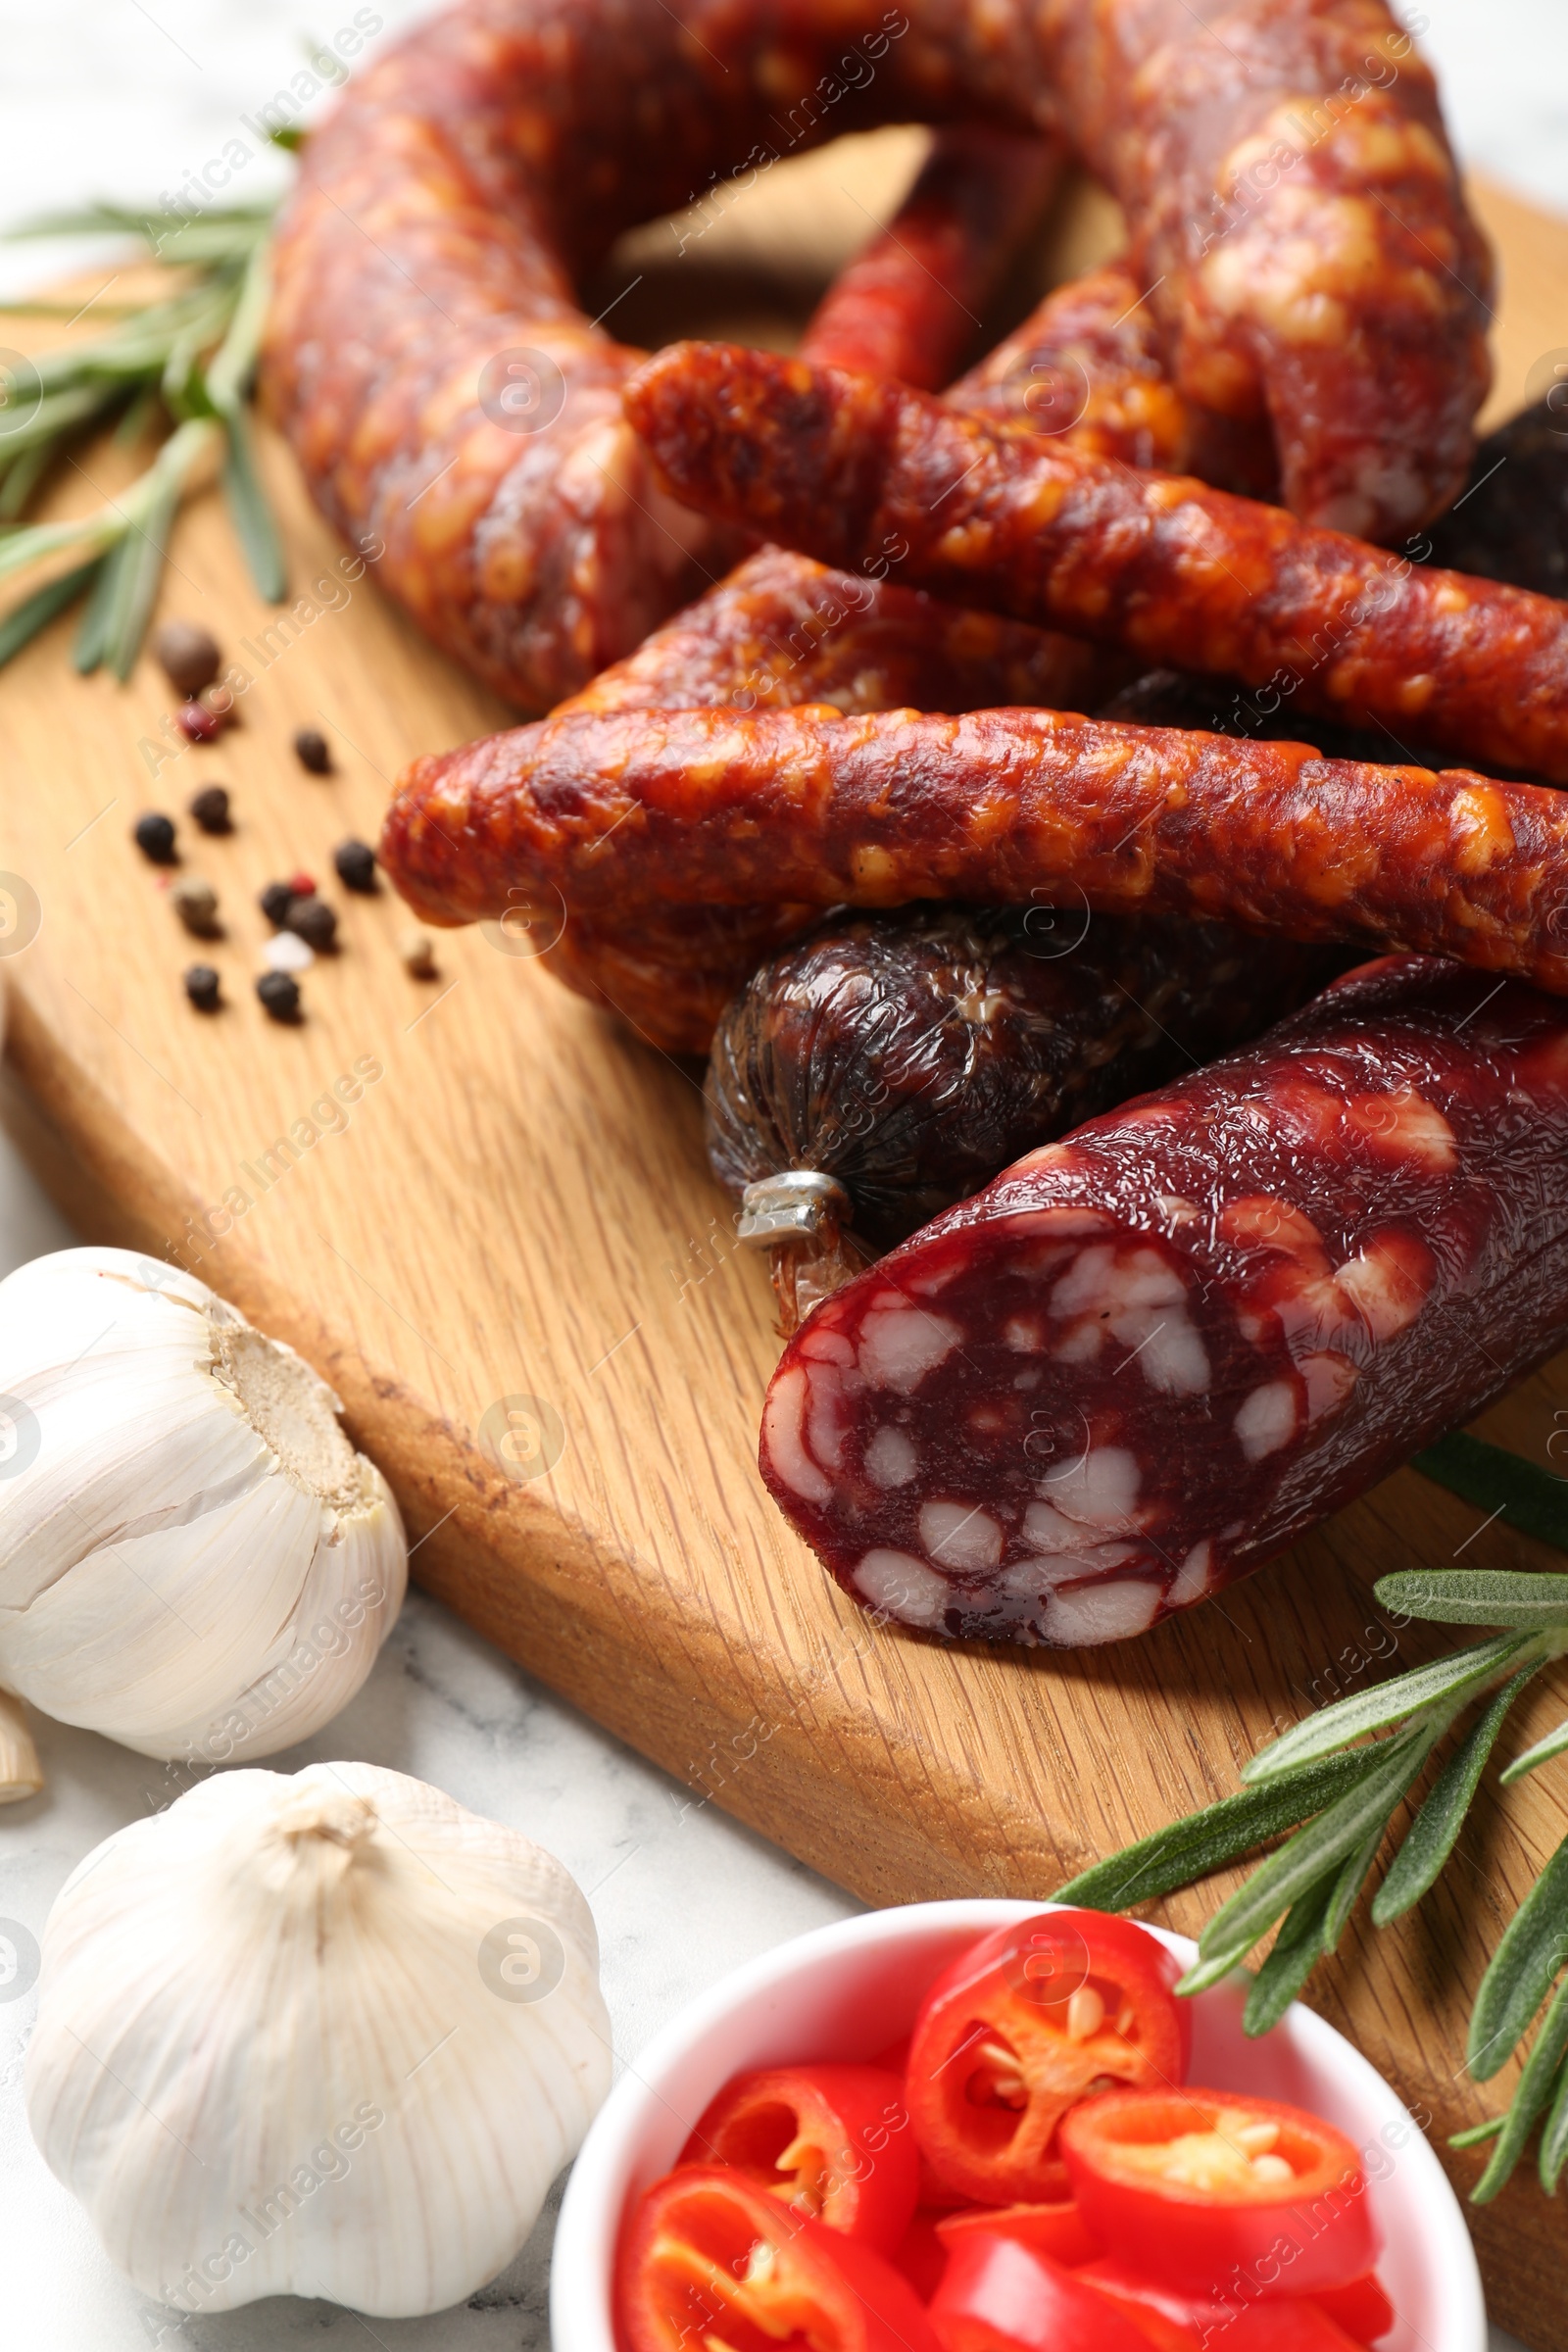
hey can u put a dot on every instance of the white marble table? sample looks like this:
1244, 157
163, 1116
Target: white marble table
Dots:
112, 97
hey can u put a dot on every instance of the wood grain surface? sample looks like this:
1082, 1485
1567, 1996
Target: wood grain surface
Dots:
507, 1254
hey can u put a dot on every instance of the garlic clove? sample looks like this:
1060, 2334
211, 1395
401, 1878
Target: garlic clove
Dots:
261, 1658
294, 2035
193, 1559
21, 1773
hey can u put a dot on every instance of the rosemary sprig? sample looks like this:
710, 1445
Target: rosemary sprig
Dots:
1331, 1787
185, 360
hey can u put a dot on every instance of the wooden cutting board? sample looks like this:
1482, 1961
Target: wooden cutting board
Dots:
506, 1252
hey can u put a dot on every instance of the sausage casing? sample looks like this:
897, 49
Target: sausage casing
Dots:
910, 1056
630, 813
858, 473
908, 306
1152, 1354
453, 406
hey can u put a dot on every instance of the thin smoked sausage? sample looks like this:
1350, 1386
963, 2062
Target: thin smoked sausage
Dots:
780, 631
907, 307
631, 813
858, 473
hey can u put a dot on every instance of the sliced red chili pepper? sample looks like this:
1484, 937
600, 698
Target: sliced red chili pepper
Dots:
1053, 2229
1179, 2321
934, 2193
834, 2141
1026, 2023
1001, 2296
922, 2257
1174, 2321
1217, 2193
1362, 2309
712, 2255
1289, 2326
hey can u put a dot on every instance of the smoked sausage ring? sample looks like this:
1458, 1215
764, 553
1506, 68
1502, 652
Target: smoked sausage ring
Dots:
1294, 211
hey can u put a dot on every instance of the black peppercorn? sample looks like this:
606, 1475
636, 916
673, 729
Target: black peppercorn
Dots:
355, 865
315, 921
280, 992
312, 752
155, 837
274, 902
202, 986
209, 809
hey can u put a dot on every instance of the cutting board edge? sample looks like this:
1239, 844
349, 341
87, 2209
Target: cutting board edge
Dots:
66, 1130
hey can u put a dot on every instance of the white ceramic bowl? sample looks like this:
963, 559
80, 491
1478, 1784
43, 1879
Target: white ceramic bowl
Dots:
851, 1988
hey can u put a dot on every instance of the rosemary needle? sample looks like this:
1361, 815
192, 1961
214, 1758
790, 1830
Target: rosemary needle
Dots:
184, 360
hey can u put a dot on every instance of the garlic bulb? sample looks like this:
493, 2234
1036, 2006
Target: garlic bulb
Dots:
329, 2035
193, 1559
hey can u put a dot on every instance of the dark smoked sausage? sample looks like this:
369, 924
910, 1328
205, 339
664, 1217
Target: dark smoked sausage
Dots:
1151, 1355
1512, 522
858, 473
909, 1057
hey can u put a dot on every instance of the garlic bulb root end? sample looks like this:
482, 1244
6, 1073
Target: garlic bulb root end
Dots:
21, 1773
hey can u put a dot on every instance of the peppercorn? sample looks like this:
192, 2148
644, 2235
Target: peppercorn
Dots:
155, 837
417, 951
195, 902
274, 902
280, 992
315, 921
303, 885
189, 656
354, 862
312, 752
202, 986
209, 809
197, 723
